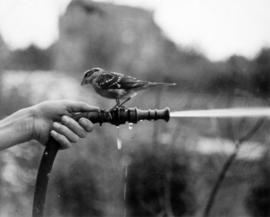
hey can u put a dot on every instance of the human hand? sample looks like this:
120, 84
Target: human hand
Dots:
52, 118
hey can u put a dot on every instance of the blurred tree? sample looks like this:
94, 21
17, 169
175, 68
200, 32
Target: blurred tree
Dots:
32, 58
126, 39
258, 198
238, 141
78, 191
117, 37
261, 74
158, 185
4, 52
232, 76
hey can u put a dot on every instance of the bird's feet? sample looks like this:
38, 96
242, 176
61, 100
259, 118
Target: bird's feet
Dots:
117, 107
120, 105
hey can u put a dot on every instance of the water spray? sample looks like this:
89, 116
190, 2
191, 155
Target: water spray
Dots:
115, 117
251, 112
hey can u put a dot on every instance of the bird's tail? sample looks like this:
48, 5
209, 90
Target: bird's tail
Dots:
153, 84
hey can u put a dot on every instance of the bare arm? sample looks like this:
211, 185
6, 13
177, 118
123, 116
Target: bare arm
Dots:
49, 118
16, 128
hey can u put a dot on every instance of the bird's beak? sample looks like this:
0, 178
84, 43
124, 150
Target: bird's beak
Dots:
83, 82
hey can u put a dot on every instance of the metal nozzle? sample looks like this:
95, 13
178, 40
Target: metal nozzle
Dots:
120, 116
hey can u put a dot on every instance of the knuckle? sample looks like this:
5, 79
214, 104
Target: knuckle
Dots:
62, 129
86, 124
81, 133
74, 126
75, 138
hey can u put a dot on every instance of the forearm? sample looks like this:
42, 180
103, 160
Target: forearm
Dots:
16, 128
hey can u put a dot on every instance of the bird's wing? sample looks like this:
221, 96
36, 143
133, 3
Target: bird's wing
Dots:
108, 80
115, 80
129, 82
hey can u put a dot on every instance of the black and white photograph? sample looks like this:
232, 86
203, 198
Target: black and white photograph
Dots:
134, 108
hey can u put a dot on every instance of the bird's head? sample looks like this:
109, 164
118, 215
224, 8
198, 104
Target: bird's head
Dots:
90, 74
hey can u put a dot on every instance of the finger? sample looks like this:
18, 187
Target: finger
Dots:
74, 126
65, 131
86, 124
63, 141
73, 106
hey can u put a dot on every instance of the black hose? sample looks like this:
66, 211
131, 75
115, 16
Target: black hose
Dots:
43, 176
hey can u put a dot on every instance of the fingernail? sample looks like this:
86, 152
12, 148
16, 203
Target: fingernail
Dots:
56, 124
53, 133
86, 123
83, 121
76, 138
64, 118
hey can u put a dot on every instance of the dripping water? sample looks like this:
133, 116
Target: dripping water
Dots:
125, 164
118, 139
119, 143
130, 126
125, 187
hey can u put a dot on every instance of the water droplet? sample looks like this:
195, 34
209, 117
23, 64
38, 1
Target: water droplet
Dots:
117, 127
130, 126
119, 144
126, 171
125, 191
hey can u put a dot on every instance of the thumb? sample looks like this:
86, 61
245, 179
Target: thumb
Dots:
77, 106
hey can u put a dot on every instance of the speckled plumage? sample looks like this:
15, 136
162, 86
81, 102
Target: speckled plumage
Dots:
115, 85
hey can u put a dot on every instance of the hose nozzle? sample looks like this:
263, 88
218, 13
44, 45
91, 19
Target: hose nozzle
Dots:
120, 116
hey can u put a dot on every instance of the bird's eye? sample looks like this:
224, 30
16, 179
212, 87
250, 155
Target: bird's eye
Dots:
91, 72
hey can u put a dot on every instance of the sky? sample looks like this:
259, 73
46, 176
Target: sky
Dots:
218, 29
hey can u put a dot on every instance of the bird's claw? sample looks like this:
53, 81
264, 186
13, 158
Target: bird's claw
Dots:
116, 107
121, 107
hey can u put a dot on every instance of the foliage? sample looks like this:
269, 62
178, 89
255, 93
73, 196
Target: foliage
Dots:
258, 197
78, 191
4, 52
31, 58
261, 74
158, 184
127, 39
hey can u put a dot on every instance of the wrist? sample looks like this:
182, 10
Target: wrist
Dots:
25, 123
17, 128
39, 124
34, 113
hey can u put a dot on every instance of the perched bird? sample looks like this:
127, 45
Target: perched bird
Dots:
117, 86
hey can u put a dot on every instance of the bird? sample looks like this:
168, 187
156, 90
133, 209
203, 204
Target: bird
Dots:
115, 85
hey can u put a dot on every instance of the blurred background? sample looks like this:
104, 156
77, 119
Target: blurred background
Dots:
218, 52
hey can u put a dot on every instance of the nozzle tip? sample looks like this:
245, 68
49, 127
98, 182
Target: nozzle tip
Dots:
167, 114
